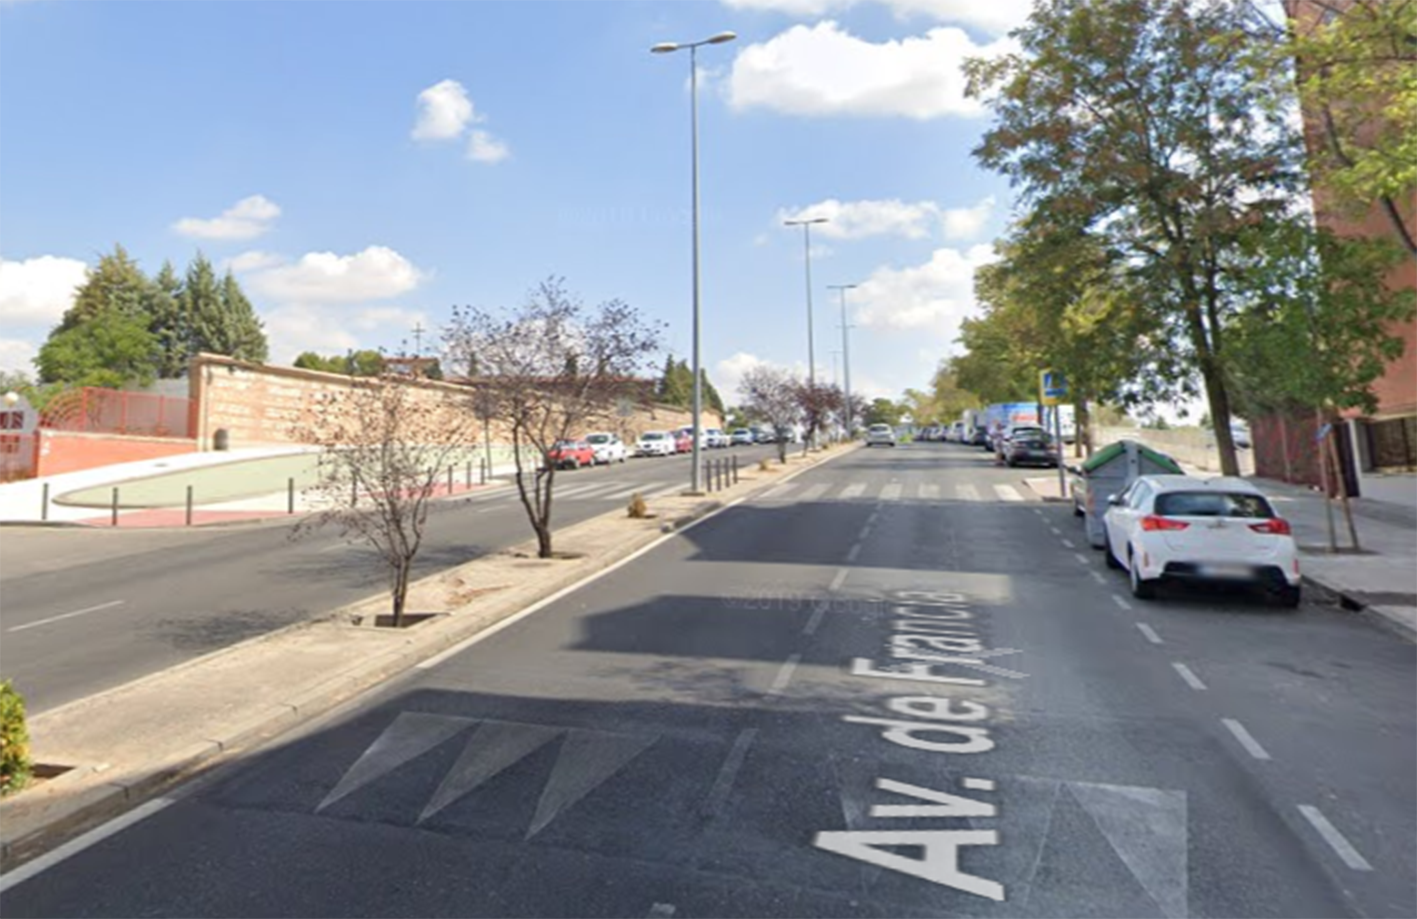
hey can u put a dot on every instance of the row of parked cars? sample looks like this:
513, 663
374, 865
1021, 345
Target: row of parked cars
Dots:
603, 447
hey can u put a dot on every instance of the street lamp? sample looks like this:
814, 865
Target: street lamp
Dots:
845, 352
806, 225
664, 48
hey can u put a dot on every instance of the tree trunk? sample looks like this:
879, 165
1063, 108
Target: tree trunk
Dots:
1217, 397
1341, 481
543, 539
400, 590
782, 450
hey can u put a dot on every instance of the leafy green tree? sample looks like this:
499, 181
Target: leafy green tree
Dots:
112, 349
309, 360
200, 301
168, 323
1161, 128
711, 399
883, 411
116, 283
243, 336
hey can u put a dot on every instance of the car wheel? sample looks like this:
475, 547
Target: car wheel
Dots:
1108, 554
1142, 588
1286, 597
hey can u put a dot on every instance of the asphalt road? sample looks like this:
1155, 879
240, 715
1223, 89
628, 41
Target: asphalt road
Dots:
729, 726
84, 610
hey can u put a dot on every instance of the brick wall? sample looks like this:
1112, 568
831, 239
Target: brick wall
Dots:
71, 451
262, 405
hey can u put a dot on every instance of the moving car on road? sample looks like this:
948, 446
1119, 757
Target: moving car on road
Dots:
1179, 528
570, 454
608, 448
655, 443
880, 434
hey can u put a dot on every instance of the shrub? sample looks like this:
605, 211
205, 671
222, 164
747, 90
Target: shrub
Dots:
638, 509
763, 466
14, 741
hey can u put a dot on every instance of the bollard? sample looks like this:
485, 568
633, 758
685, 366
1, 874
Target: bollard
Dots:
735, 469
290, 495
189, 505
708, 475
482, 469
353, 492
469, 474
450, 480
44, 503
115, 505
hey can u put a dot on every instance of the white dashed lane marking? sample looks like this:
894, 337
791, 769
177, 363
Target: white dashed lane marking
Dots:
1251, 745
1149, 632
1335, 839
1120, 602
840, 578
1191, 679
784, 675
1098, 577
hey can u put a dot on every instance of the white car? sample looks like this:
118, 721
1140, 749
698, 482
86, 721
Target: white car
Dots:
608, 448
880, 434
655, 443
1178, 528
715, 438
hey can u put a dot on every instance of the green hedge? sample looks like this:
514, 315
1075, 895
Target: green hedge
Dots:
14, 741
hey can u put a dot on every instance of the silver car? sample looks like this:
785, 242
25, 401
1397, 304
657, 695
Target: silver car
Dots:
882, 434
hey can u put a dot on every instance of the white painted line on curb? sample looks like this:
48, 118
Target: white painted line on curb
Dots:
723, 784
75, 846
1335, 839
1251, 745
840, 578
1191, 679
1149, 632
1097, 576
784, 675
1120, 602
1068, 543
1082, 559
82, 612
855, 551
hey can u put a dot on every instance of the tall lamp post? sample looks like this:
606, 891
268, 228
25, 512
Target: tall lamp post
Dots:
664, 48
845, 354
806, 225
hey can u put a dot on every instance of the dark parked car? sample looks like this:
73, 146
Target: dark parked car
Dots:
1030, 449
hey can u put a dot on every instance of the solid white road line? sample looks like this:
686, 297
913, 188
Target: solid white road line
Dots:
854, 490
1067, 543
1335, 839
967, 492
891, 492
929, 491
81, 612
1120, 602
1007, 493
75, 846
1251, 745
1149, 632
840, 578
784, 675
855, 551
1097, 576
1191, 679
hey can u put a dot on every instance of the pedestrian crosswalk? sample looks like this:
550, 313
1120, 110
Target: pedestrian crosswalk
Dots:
787, 491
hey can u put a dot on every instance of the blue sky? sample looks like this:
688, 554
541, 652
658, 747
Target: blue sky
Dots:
365, 166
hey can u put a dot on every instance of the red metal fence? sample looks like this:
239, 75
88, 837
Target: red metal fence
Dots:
109, 411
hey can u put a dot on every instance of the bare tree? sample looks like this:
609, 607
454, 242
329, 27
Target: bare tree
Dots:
771, 394
551, 368
388, 442
818, 403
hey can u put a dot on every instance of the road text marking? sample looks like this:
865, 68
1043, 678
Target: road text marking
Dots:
82, 612
1335, 839
1251, 745
1191, 679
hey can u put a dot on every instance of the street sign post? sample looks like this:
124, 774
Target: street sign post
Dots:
1052, 391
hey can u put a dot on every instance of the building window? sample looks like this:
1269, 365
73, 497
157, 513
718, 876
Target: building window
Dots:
1393, 443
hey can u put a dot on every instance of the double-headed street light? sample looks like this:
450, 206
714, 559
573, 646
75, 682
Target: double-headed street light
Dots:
664, 48
845, 351
806, 225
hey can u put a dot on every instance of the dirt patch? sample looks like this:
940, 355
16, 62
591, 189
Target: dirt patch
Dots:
386, 620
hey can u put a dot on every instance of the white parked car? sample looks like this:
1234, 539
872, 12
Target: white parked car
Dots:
715, 438
655, 443
880, 434
1178, 528
609, 448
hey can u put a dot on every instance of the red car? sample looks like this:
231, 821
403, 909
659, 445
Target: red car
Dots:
683, 442
570, 454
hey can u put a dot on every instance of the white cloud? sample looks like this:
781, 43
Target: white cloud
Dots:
482, 147
296, 328
933, 297
38, 290
444, 111
994, 16
372, 317
376, 273
246, 219
17, 356
823, 70
892, 217
728, 373
967, 222
253, 260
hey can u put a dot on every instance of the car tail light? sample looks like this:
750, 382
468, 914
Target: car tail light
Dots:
1153, 522
1277, 526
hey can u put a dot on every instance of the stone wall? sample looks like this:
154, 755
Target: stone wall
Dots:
259, 405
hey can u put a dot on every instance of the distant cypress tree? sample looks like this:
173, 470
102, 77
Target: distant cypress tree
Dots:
168, 323
247, 339
115, 283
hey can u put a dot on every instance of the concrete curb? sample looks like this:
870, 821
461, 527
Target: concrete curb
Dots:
104, 802
1363, 609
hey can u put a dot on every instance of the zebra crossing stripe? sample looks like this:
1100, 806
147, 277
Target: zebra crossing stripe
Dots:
967, 492
891, 492
1008, 493
855, 490
777, 491
929, 491
813, 492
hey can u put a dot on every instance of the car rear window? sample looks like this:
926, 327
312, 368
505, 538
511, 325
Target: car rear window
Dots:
598, 439
1212, 504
